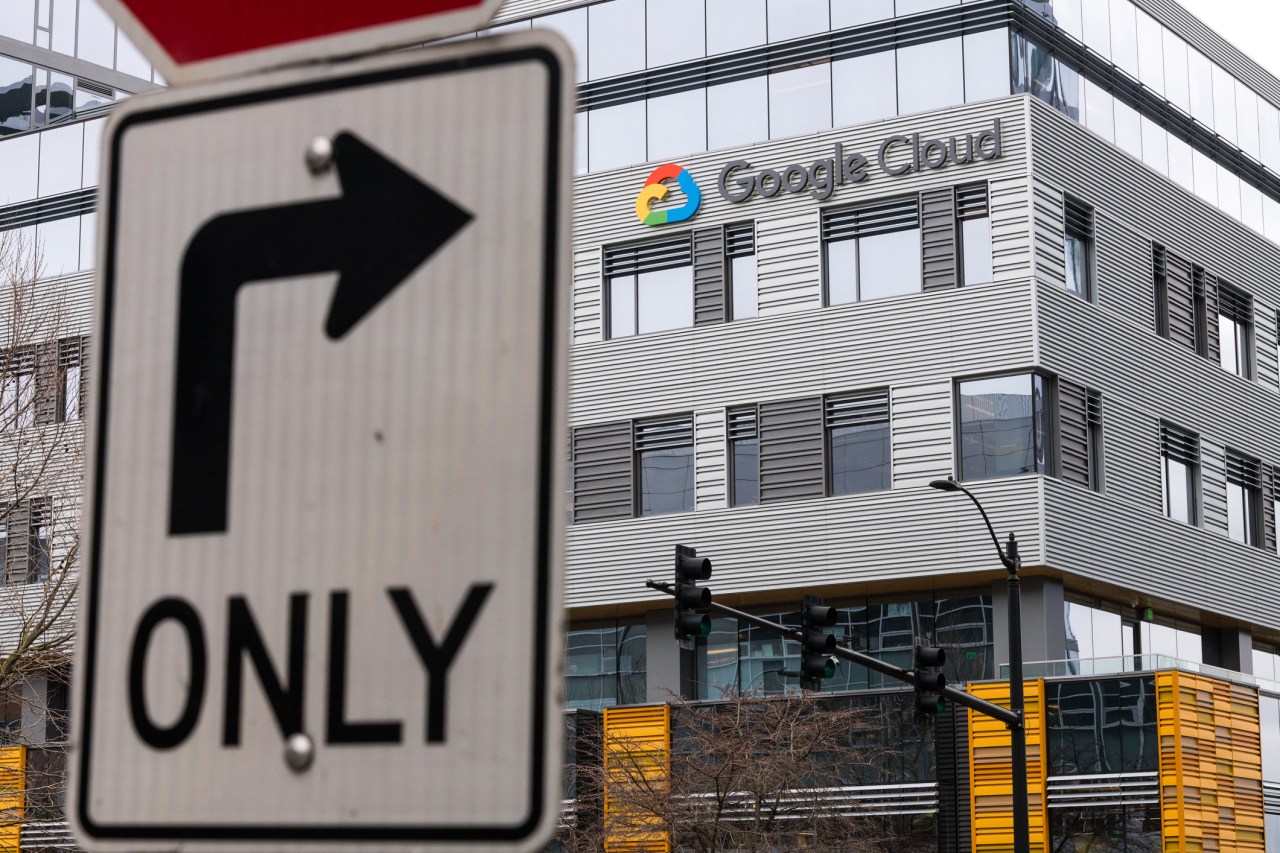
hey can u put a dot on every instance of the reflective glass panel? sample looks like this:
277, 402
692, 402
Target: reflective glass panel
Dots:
718, 668
622, 306
734, 24
60, 150
1124, 36
790, 19
617, 136
1239, 513
865, 88
1155, 146
19, 20
60, 98
129, 59
1251, 206
1271, 221
1180, 167
59, 243
1176, 86
1224, 104
666, 480
63, 26
930, 76
1179, 490
910, 7
1269, 134
996, 428
842, 272
1128, 129
1067, 14
676, 30
742, 276
1097, 26
15, 97
88, 239
573, 26
1269, 706
746, 472
604, 667
665, 300
615, 33
96, 40
19, 172
859, 458
800, 101
1228, 192
580, 143
975, 238
1099, 111
1247, 120
1206, 177
986, 65
1077, 253
1150, 52
677, 124
889, 264
848, 13
1200, 79
737, 113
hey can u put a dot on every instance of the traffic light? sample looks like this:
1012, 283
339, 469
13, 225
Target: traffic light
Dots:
816, 657
930, 681
692, 600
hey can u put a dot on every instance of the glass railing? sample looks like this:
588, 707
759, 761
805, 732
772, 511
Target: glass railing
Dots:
1133, 663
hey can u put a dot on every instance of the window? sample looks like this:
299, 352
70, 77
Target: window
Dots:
975, 233
1078, 219
72, 356
1180, 458
18, 389
1079, 435
604, 666
25, 540
649, 287
744, 456
664, 462
872, 252
1235, 330
858, 442
1244, 499
1004, 427
1093, 415
740, 252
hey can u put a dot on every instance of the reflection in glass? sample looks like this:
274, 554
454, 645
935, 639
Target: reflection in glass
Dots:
1105, 725
998, 434
859, 458
718, 667
737, 113
1269, 132
1155, 146
677, 124
1200, 78
800, 101
666, 480
1124, 37
975, 241
676, 31
1228, 191
734, 24
1179, 492
604, 667
1097, 26
842, 272
59, 243
910, 7
19, 20
1150, 52
855, 102
1206, 173
1251, 206
930, 76
1180, 163
746, 471
1099, 111
1128, 129
616, 136
986, 66
622, 306
19, 159
1241, 505
615, 37
60, 150
1176, 86
1247, 120
129, 59
15, 95
1077, 253
1067, 15
1269, 706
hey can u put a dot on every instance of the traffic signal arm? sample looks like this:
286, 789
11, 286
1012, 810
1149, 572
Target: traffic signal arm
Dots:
960, 697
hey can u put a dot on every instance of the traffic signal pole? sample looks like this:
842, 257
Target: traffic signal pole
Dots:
960, 697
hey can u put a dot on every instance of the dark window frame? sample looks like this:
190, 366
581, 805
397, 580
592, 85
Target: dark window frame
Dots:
635, 259
852, 223
1236, 306
970, 206
1079, 224
1245, 472
739, 242
871, 406
1181, 446
1044, 443
742, 423
668, 433
1160, 288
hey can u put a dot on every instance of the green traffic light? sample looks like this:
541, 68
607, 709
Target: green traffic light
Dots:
829, 670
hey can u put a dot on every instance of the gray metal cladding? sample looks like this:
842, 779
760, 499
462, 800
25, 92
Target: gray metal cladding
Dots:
1269, 497
710, 469
1123, 261
1050, 234
921, 431
1213, 486
1108, 540
588, 266
708, 275
788, 263
1266, 345
602, 471
1209, 285
1073, 432
1182, 312
893, 535
792, 442
939, 254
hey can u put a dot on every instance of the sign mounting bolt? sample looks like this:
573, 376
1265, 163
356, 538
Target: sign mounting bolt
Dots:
299, 751
320, 155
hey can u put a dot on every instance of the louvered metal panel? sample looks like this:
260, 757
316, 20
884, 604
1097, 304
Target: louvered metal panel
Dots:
787, 263
1243, 470
1182, 318
740, 239
1073, 432
921, 432
1205, 286
882, 217
1050, 234
1235, 304
742, 423
708, 276
48, 209
1179, 445
602, 472
1213, 485
951, 758
971, 201
587, 282
1123, 263
650, 256
710, 469
1270, 494
1103, 790
791, 450
864, 407
938, 227
1267, 349
664, 433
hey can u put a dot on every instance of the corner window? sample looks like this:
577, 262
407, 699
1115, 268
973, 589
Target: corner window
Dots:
664, 462
858, 442
872, 252
740, 255
1244, 499
1004, 427
649, 287
744, 456
1235, 330
1180, 460
1078, 221
975, 233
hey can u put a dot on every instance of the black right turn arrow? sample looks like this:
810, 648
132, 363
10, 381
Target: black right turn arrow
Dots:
385, 224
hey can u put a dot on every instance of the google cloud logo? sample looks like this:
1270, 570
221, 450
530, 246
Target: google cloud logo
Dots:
655, 190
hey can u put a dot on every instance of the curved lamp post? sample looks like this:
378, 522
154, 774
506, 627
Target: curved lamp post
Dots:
1017, 733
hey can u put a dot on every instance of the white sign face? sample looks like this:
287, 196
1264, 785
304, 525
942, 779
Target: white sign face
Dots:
324, 545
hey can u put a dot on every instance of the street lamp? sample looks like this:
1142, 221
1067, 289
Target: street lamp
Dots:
1017, 733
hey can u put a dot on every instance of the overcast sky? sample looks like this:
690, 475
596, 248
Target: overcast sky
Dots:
1251, 25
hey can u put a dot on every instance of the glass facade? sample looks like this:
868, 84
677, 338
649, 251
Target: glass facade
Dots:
1004, 427
604, 666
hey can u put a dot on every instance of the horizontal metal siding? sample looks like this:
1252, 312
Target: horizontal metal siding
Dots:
1213, 485
788, 263
587, 295
1123, 268
905, 340
1266, 346
1010, 229
710, 470
1182, 308
833, 542
1102, 539
602, 471
1073, 433
1050, 231
921, 433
